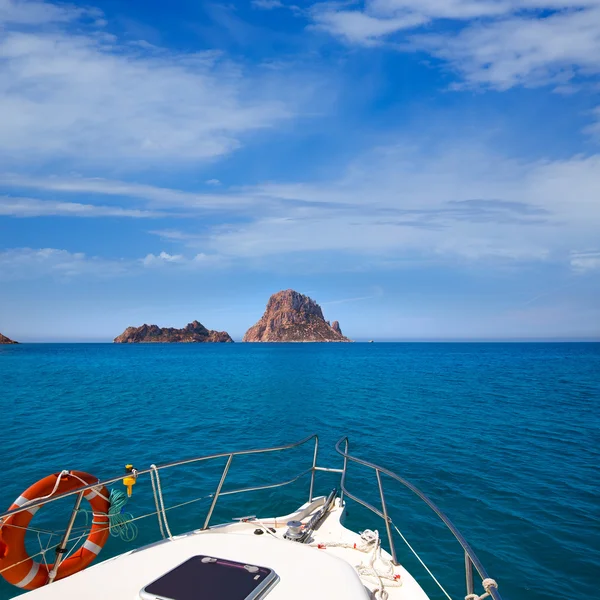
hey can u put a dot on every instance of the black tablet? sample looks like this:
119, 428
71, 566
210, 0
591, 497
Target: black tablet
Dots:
211, 578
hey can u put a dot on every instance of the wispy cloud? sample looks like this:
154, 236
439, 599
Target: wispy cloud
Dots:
493, 43
460, 201
75, 92
29, 263
267, 4
31, 207
583, 262
452, 203
199, 261
378, 294
523, 50
594, 128
32, 12
152, 195
32, 263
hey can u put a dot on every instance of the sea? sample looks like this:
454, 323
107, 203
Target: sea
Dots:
503, 437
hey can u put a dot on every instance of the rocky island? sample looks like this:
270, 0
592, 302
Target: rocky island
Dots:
5, 340
193, 332
293, 317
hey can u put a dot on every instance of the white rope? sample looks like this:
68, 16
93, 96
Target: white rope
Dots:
378, 569
158, 514
487, 583
421, 561
95, 489
262, 526
56, 484
158, 498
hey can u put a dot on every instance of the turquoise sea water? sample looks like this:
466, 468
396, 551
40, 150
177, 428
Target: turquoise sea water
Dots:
505, 438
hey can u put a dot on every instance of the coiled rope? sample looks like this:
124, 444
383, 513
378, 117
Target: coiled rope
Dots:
377, 569
487, 585
120, 522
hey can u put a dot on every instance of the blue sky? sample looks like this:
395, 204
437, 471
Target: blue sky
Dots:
424, 170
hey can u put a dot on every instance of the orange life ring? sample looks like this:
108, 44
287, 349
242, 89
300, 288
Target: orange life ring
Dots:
16, 566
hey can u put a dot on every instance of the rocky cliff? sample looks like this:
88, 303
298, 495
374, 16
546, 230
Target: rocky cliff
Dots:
292, 317
192, 333
5, 340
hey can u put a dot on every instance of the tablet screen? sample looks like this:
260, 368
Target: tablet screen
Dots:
210, 578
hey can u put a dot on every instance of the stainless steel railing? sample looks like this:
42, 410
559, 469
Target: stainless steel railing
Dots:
471, 559
218, 491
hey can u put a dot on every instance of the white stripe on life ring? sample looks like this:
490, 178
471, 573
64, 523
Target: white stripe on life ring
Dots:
22, 500
94, 548
35, 567
90, 494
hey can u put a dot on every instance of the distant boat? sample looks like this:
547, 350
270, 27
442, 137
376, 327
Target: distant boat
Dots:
370, 341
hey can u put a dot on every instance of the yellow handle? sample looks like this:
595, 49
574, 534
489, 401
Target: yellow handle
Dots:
129, 481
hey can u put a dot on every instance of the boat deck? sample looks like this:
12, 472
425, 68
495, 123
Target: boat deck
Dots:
305, 570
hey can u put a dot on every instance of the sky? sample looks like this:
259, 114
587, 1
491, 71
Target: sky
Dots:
423, 169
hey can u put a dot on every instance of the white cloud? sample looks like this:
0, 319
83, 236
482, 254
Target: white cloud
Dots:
458, 200
90, 99
498, 43
31, 263
31, 12
210, 260
200, 260
26, 263
153, 195
523, 50
359, 27
594, 128
453, 202
267, 4
152, 260
31, 207
441, 205
213, 182
585, 261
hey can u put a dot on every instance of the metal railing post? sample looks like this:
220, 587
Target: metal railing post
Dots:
62, 547
313, 470
344, 475
387, 519
469, 574
217, 492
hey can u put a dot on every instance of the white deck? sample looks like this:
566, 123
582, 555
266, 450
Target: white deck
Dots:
305, 571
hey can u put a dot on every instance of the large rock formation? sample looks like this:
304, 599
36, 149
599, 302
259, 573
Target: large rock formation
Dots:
292, 317
5, 340
192, 333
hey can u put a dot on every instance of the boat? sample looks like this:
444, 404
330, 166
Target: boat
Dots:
309, 553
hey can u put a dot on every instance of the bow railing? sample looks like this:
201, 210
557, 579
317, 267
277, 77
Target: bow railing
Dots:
471, 559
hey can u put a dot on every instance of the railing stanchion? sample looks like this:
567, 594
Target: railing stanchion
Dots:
313, 470
469, 574
62, 547
217, 492
386, 518
344, 475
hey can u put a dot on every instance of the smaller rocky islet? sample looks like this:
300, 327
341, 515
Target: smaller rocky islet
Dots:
5, 340
193, 332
